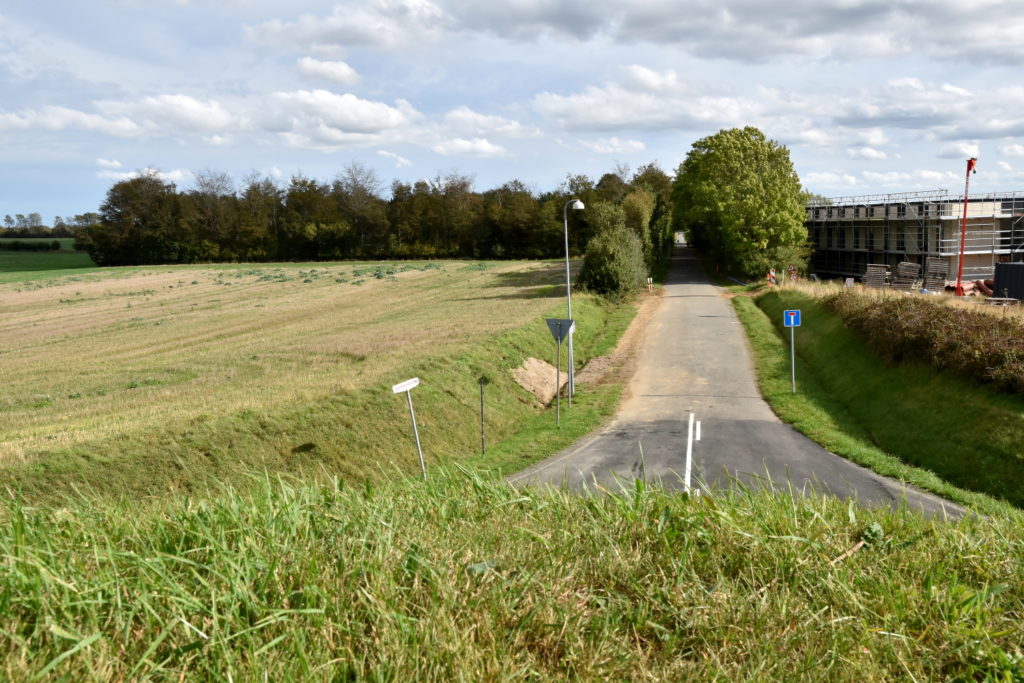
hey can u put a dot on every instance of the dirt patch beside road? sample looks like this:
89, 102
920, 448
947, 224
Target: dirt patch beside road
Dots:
538, 377
620, 364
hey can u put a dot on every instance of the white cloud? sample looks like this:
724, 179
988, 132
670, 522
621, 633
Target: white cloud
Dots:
463, 121
163, 114
805, 134
337, 72
613, 145
958, 150
872, 137
888, 179
1003, 165
614, 106
400, 161
869, 153
648, 79
63, 118
345, 113
828, 179
477, 147
175, 176
1012, 150
934, 176
955, 90
108, 163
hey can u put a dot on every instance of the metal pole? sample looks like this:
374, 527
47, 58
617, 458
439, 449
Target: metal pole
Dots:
558, 377
792, 356
416, 431
483, 444
963, 230
568, 297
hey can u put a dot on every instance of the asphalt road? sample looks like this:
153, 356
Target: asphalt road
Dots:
694, 357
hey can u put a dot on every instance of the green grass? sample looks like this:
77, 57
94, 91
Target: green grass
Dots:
909, 422
466, 578
15, 262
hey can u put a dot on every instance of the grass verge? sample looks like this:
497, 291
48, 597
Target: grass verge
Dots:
898, 421
466, 578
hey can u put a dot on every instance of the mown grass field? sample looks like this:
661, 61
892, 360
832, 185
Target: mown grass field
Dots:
145, 381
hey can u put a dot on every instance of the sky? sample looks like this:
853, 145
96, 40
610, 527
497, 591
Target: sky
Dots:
870, 96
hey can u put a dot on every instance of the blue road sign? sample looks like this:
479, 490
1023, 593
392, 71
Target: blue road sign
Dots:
791, 318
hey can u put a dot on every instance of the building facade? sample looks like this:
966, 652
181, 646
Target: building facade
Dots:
848, 233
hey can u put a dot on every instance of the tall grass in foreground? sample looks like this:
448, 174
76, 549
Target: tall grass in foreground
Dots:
466, 578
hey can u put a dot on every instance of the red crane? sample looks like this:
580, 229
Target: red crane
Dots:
971, 163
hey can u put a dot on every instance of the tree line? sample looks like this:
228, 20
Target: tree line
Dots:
31, 225
147, 220
736, 197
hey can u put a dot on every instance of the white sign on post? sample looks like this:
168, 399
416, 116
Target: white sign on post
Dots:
407, 386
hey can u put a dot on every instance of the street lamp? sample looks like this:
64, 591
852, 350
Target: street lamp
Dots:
576, 205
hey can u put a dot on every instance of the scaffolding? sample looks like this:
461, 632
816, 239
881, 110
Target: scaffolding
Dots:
848, 233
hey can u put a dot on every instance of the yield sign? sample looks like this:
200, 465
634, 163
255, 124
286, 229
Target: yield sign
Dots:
560, 328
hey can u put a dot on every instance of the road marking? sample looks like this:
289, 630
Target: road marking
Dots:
689, 456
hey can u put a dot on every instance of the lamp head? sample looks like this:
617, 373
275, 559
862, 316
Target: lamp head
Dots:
577, 205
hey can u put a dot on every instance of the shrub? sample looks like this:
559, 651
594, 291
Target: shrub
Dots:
972, 344
613, 264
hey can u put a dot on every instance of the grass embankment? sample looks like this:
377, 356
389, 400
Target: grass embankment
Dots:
462, 578
907, 421
153, 380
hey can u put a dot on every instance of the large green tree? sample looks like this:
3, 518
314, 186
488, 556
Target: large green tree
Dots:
138, 224
738, 198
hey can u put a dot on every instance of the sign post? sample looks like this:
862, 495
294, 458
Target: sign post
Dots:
791, 319
407, 387
483, 442
560, 329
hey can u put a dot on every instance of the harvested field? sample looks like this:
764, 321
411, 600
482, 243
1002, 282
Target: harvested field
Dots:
109, 353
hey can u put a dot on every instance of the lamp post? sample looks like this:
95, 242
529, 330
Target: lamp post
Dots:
576, 205
971, 163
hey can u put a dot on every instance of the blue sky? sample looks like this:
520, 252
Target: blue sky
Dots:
870, 96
